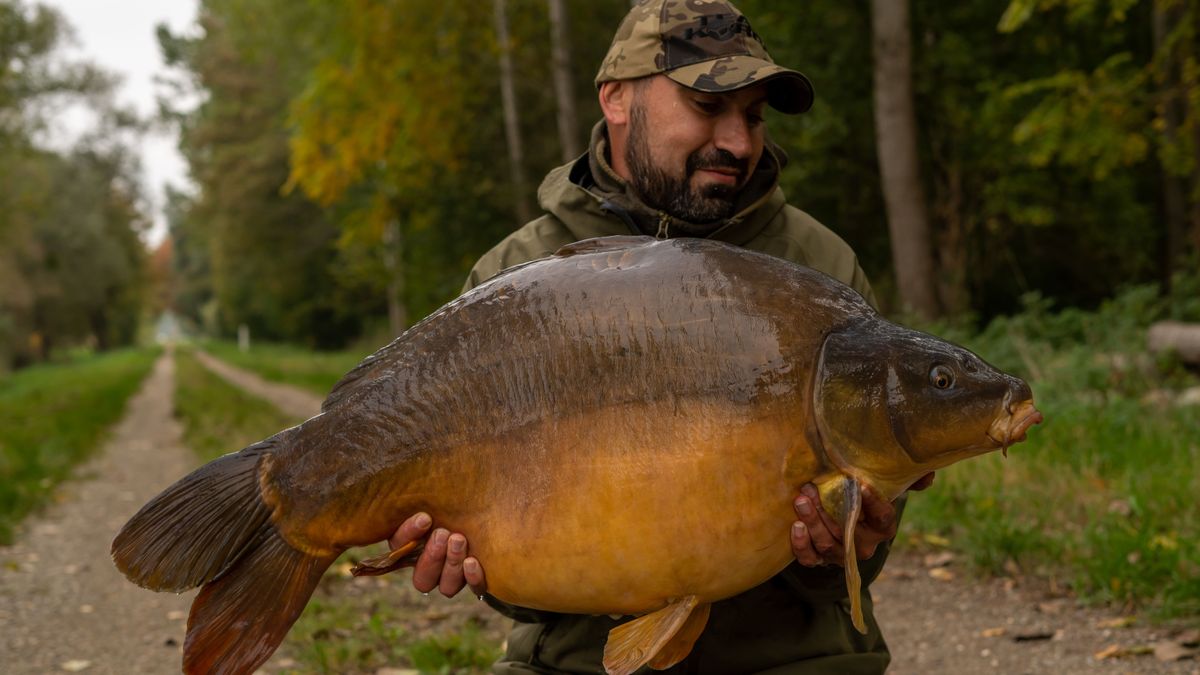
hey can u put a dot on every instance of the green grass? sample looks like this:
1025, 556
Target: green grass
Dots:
315, 371
217, 417
54, 416
1103, 496
362, 625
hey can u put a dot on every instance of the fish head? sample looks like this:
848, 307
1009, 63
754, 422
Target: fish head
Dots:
893, 404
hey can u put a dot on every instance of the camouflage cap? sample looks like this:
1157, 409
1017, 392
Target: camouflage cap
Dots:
706, 45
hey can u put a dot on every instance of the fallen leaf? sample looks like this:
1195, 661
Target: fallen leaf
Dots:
1118, 622
1052, 607
939, 559
1168, 650
176, 615
76, 665
1119, 652
937, 540
86, 609
993, 632
941, 574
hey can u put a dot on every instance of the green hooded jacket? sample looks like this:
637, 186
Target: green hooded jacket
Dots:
798, 622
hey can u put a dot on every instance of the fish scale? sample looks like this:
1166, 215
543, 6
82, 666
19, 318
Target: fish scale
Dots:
617, 429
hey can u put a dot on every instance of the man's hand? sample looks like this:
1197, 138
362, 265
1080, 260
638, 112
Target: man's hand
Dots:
817, 538
444, 563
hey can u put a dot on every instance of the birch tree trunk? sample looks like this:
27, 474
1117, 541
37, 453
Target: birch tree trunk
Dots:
512, 126
568, 124
899, 168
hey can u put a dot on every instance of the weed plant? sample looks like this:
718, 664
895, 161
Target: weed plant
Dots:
1102, 497
289, 364
54, 416
217, 417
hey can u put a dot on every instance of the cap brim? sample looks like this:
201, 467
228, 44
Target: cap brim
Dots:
788, 91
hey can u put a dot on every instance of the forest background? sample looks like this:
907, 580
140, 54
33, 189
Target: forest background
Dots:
352, 160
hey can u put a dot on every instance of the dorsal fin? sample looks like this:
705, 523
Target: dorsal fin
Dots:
597, 244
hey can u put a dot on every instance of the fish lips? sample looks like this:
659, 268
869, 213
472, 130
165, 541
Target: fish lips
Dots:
1011, 429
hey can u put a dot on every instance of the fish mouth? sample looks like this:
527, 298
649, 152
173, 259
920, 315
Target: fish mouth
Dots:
1011, 429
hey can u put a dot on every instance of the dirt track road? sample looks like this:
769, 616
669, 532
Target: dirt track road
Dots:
64, 608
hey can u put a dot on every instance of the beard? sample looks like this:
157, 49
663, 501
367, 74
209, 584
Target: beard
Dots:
675, 195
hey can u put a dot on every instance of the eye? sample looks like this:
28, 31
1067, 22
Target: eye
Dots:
708, 107
941, 377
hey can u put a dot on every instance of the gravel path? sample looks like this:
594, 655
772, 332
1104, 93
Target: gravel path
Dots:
938, 620
63, 605
291, 400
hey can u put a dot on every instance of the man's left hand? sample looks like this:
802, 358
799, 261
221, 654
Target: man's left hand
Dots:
817, 538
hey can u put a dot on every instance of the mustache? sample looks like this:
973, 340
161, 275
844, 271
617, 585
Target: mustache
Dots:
717, 159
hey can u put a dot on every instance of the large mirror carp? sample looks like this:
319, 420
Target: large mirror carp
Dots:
620, 428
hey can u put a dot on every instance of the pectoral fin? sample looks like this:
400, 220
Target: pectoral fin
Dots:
405, 556
852, 509
660, 639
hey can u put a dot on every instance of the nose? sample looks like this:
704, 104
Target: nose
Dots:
1018, 393
734, 135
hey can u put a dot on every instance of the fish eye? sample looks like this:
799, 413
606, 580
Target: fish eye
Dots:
941, 377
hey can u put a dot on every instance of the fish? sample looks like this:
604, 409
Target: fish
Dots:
619, 428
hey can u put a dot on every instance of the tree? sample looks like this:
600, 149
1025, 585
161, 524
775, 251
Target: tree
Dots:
899, 163
560, 47
512, 122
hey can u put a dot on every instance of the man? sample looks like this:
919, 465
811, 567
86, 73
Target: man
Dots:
682, 151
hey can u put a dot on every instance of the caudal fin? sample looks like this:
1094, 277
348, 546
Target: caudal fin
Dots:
196, 529
238, 620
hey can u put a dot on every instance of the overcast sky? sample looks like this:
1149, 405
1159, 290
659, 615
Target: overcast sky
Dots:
119, 37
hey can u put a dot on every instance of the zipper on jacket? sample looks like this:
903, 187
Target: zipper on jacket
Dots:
664, 225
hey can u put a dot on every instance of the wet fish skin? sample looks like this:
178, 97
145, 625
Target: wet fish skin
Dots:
617, 429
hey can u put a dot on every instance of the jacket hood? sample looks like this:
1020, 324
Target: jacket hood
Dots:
592, 201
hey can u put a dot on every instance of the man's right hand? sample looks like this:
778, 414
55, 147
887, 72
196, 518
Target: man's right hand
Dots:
444, 563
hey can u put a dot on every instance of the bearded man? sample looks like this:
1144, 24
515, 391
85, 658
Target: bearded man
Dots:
683, 151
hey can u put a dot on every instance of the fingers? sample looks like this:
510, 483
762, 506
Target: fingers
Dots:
819, 529
428, 571
452, 572
877, 525
473, 573
410, 530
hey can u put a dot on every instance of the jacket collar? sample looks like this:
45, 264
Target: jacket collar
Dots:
591, 200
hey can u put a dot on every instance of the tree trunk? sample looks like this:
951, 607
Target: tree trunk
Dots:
512, 126
393, 254
1172, 110
568, 124
899, 168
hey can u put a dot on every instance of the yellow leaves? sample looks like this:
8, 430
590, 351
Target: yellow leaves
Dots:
387, 101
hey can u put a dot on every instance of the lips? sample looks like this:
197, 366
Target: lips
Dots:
1008, 430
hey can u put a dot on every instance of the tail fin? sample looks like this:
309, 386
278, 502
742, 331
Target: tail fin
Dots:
238, 620
196, 529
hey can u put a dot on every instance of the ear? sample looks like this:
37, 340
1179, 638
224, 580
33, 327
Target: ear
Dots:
616, 97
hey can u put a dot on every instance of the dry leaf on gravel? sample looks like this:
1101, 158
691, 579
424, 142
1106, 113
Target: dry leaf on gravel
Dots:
941, 574
1119, 652
993, 632
75, 665
939, 559
1117, 622
1169, 650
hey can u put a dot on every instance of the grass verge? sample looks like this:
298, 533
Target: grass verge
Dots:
218, 417
1102, 497
359, 626
54, 416
314, 371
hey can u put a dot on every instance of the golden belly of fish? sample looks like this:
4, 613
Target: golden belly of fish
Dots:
618, 429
